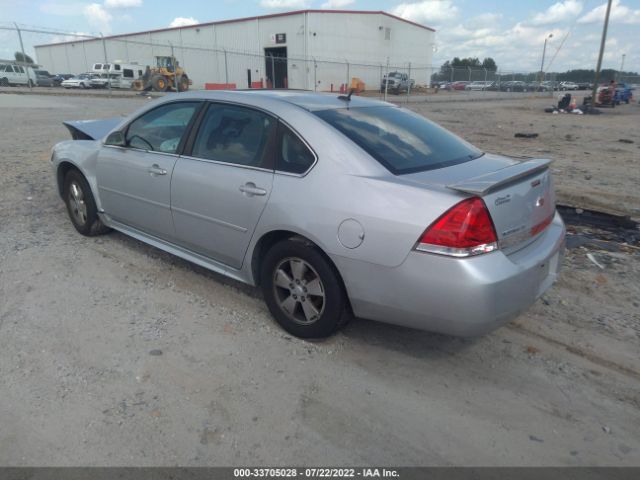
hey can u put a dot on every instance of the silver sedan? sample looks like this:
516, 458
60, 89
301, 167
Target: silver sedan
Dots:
335, 206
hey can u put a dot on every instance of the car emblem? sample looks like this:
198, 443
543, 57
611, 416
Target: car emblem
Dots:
501, 200
535, 183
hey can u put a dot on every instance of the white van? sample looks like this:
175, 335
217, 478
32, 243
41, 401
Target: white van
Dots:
12, 74
126, 72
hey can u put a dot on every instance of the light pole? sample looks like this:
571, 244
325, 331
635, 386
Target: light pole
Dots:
544, 51
599, 65
622, 62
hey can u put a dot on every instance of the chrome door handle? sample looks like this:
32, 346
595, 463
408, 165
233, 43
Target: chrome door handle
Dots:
156, 170
250, 189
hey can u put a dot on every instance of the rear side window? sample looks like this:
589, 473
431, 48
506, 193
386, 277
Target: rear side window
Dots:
233, 134
292, 155
404, 142
127, 73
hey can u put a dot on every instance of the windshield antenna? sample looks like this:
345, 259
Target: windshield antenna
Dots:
347, 97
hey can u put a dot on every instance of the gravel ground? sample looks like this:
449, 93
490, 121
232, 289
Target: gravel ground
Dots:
593, 168
115, 353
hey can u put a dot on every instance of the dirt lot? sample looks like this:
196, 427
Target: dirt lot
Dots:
114, 353
593, 168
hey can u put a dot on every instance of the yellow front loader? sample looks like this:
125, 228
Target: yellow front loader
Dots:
164, 76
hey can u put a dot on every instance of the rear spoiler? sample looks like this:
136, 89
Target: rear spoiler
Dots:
91, 129
488, 182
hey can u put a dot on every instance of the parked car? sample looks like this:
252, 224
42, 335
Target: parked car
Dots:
105, 80
479, 85
514, 86
79, 81
551, 85
538, 87
459, 85
397, 82
11, 74
334, 206
568, 86
61, 77
584, 85
43, 78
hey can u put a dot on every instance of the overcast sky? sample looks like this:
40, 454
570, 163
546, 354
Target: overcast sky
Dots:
512, 32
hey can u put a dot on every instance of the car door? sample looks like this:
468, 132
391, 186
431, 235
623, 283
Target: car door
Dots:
221, 185
134, 176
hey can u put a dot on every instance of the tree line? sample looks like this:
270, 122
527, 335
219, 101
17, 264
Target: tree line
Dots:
458, 68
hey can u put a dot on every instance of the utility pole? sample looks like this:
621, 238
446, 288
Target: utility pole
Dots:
175, 68
621, 64
386, 82
544, 51
24, 57
602, 42
104, 49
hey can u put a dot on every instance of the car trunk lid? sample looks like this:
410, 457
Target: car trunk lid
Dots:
518, 194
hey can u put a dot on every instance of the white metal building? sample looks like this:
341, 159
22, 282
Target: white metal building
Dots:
300, 49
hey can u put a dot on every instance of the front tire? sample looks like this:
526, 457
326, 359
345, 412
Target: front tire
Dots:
81, 205
159, 83
303, 290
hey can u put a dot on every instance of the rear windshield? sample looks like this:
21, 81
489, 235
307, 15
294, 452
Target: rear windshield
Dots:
402, 141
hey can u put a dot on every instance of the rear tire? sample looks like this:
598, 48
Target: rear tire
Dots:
4, 82
183, 84
81, 205
303, 290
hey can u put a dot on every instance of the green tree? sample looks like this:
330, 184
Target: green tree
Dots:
490, 64
23, 58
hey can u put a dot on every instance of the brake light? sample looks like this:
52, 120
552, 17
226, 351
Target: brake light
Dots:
464, 230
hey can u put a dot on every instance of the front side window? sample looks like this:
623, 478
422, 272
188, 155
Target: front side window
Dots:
234, 134
292, 155
162, 128
402, 141
19, 69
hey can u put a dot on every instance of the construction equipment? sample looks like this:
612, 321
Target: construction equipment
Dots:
167, 74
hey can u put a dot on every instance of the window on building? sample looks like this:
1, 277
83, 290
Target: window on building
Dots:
387, 33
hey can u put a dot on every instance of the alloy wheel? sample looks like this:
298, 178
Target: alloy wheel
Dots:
77, 204
298, 290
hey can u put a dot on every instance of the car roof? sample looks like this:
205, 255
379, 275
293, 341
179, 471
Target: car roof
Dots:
305, 99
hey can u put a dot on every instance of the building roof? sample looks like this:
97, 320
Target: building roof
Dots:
246, 19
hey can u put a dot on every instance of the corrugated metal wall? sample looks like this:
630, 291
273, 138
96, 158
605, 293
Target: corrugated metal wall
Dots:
319, 45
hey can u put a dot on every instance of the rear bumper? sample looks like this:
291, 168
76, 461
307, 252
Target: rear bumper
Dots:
462, 297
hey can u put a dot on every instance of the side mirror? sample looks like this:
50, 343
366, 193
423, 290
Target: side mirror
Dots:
116, 139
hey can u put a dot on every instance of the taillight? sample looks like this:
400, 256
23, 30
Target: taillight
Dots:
464, 230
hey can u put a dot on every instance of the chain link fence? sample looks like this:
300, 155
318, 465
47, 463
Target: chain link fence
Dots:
211, 67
